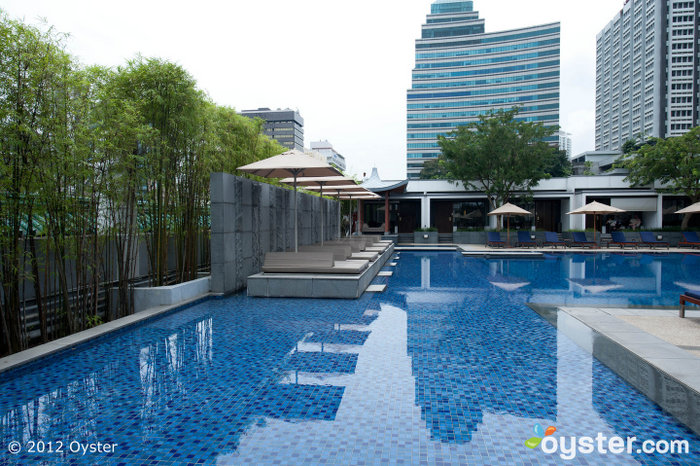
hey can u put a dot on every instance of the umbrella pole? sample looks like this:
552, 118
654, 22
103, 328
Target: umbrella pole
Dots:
508, 229
296, 234
594, 225
321, 184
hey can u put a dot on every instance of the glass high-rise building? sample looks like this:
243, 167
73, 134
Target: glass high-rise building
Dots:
463, 72
647, 72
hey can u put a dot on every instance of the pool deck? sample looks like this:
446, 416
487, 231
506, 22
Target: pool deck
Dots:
653, 349
483, 249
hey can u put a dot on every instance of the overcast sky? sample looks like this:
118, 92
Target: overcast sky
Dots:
345, 65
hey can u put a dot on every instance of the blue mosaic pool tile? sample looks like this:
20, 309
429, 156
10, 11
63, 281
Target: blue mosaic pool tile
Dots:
445, 367
309, 361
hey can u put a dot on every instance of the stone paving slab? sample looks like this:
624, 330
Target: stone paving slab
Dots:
654, 341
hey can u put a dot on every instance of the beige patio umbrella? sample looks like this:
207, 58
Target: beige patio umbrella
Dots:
296, 164
691, 209
595, 208
509, 209
351, 193
312, 182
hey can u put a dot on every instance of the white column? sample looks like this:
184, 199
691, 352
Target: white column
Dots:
425, 211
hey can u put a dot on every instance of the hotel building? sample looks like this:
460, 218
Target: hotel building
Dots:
462, 72
647, 79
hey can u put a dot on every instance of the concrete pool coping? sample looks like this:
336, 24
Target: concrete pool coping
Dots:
35, 353
481, 248
653, 357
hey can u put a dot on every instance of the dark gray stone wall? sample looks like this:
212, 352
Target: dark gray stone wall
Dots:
249, 218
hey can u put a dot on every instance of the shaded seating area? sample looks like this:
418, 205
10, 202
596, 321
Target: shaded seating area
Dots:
524, 240
688, 297
648, 239
310, 262
493, 240
579, 239
552, 239
692, 240
619, 239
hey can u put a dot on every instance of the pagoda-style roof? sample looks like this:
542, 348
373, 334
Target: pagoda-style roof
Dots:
377, 185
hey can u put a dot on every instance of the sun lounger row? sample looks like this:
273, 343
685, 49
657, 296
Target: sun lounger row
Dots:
310, 262
579, 239
345, 256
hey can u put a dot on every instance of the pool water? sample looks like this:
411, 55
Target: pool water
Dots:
449, 365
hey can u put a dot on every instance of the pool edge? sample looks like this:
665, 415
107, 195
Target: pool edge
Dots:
22, 358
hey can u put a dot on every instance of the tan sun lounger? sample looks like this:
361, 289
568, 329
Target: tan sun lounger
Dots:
366, 244
341, 252
309, 262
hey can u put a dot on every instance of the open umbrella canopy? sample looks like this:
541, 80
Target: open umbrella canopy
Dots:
596, 207
291, 163
296, 164
691, 209
336, 189
509, 209
320, 181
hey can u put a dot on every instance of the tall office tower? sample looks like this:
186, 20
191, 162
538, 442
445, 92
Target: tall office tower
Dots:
647, 72
463, 72
284, 126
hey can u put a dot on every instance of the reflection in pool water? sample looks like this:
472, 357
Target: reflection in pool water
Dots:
448, 365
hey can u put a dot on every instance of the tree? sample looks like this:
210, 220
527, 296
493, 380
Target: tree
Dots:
499, 155
673, 162
433, 170
560, 166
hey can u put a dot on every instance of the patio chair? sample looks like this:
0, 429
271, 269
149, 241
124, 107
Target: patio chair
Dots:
650, 240
524, 240
552, 239
618, 239
691, 240
309, 262
688, 297
341, 252
579, 239
493, 239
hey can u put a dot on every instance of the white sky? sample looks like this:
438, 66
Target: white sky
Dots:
345, 65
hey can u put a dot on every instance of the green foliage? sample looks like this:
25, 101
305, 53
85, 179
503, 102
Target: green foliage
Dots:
559, 165
499, 155
97, 159
673, 162
434, 170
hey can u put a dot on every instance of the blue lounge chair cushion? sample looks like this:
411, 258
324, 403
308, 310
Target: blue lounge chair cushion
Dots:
648, 237
494, 237
692, 294
619, 237
580, 237
524, 237
691, 236
551, 237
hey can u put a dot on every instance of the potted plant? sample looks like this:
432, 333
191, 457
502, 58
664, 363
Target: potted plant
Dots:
425, 235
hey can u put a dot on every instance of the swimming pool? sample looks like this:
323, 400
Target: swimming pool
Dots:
448, 365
